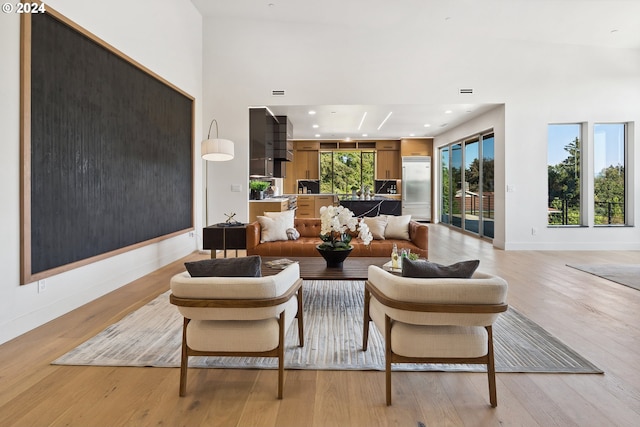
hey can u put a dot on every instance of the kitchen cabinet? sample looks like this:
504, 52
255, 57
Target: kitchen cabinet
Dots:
388, 160
416, 147
387, 164
306, 164
306, 207
259, 207
261, 138
307, 145
309, 205
323, 200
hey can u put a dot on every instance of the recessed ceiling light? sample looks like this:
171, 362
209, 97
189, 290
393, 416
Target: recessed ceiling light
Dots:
385, 119
412, 134
427, 125
362, 120
317, 135
347, 139
315, 126
365, 134
448, 112
312, 112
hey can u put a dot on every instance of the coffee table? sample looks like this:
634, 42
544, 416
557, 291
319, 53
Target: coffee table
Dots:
315, 268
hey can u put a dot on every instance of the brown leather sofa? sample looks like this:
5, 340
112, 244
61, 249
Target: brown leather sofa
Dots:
309, 229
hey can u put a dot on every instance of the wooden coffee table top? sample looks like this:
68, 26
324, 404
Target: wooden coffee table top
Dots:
315, 268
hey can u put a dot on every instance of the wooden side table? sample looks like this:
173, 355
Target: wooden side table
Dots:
224, 237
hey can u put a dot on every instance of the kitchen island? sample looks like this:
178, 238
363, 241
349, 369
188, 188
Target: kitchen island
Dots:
376, 206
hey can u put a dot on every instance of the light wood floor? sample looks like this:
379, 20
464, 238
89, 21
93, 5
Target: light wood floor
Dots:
597, 318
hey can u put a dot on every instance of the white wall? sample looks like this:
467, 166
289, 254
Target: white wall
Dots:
538, 83
164, 36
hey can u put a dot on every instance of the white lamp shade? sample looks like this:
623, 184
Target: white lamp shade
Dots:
217, 150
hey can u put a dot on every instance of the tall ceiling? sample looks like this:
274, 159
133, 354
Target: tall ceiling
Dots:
602, 23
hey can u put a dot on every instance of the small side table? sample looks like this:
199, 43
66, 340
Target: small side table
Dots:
224, 237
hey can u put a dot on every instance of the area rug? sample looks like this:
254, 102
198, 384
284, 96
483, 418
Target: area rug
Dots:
151, 336
624, 274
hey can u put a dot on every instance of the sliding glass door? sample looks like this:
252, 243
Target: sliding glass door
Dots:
467, 185
487, 201
456, 183
445, 192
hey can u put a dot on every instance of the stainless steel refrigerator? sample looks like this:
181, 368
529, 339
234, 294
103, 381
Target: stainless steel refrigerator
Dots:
416, 187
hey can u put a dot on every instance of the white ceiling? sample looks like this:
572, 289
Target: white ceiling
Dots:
603, 23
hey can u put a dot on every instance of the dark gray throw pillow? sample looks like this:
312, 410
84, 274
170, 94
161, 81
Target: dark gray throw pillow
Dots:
427, 269
226, 267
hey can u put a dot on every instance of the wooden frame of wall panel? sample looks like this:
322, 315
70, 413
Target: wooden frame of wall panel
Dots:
26, 274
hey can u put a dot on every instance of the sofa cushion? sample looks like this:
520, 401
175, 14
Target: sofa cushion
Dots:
377, 225
287, 216
274, 225
397, 227
427, 269
226, 267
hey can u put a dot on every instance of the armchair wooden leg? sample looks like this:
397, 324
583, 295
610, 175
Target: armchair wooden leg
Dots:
366, 320
280, 354
491, 369
184, 362
387, 357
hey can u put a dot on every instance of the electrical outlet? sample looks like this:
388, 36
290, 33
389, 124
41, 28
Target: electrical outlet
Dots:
42, 286
534, 231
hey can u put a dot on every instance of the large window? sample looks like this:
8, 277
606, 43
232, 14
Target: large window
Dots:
609, 142
344, 171
563, 170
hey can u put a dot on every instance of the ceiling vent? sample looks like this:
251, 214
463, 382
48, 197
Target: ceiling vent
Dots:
466, 90
277, 93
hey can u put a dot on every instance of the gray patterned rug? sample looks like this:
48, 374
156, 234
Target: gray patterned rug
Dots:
151, 336
624, 274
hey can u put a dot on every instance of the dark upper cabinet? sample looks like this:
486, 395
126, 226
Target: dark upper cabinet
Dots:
283, 140
262, 126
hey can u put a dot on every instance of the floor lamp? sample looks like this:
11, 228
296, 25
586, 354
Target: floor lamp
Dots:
214, 150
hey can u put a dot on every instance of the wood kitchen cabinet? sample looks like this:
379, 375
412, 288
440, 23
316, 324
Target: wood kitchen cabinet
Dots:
306, 164
309, 205
323, 200
306, 207
416, 147
388, 160
259, 207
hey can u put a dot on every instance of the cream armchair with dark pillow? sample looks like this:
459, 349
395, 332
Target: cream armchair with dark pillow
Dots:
237, 316
439, 320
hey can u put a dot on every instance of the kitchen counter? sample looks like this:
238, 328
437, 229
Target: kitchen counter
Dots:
375, 207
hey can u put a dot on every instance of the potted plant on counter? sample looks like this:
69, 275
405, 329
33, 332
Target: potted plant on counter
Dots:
257, 189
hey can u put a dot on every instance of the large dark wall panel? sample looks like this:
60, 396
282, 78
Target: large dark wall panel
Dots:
111, 150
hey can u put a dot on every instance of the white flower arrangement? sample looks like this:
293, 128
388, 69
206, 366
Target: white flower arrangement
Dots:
335, 221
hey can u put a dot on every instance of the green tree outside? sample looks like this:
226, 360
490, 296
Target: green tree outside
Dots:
564, 187
342, 171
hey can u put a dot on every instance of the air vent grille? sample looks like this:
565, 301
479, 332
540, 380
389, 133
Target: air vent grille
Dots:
467, 90
277, 92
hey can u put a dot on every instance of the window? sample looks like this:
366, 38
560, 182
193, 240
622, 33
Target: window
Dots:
563, 170
344, 171
609, 141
